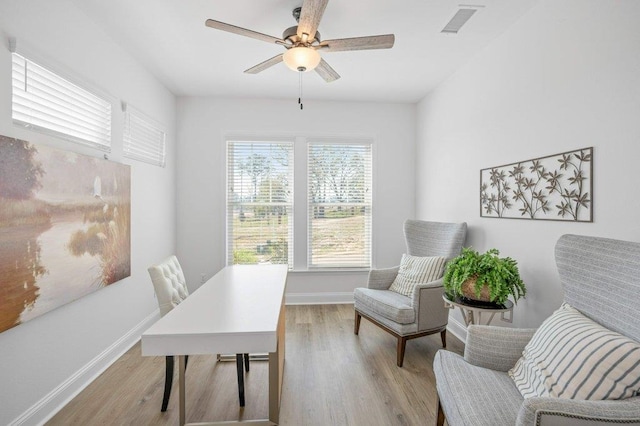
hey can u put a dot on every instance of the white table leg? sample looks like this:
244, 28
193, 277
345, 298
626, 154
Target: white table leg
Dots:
181, 389
276, 371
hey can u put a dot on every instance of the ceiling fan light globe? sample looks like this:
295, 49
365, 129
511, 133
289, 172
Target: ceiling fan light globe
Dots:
301, 59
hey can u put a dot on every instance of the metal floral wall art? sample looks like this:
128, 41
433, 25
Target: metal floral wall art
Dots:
555, 187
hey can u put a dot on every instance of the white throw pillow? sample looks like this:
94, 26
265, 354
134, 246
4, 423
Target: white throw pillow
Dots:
417, 270
572, 357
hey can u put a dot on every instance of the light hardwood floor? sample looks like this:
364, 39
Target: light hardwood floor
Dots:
331, 377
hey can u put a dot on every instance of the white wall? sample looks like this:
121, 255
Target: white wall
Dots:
202, 126
47, 359
566, 76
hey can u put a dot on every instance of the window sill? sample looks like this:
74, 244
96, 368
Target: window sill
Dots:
330, 271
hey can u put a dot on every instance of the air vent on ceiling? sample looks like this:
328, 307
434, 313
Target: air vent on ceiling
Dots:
459, 19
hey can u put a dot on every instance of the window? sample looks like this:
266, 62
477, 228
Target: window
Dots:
339, 205
332, 229
143, 140
259, 202
46, 102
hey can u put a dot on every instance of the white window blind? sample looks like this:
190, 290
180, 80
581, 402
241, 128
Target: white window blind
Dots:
143, 140
46, 102
339, 205
260, 202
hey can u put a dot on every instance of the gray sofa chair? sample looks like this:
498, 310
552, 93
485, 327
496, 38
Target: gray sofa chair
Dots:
601, 279
423, 313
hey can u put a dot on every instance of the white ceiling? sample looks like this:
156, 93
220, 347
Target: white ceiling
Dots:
170, 39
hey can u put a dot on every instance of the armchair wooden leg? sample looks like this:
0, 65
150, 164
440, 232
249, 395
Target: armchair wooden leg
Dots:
443, 336
246, 362
240, 370
402, 344
356, 327
440, 418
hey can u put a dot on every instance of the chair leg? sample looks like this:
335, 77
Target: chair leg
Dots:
356, 327
402, 344
240, 370
443, 336
168, 381
440, 418
246, 362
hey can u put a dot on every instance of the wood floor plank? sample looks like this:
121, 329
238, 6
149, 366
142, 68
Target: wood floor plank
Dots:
331, 377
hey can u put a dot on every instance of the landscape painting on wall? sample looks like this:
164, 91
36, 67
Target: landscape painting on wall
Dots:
555, 187
64, 228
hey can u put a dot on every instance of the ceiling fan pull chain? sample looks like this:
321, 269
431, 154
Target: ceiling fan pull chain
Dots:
300, 89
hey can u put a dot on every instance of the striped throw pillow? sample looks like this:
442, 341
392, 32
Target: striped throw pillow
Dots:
572, 357
417, 270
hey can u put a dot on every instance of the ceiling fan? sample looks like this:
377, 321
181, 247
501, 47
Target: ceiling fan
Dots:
302, 42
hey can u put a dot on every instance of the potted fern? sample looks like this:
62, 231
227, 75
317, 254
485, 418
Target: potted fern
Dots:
483, 277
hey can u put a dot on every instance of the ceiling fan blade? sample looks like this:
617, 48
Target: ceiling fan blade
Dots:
310, 17
242, 31
359, 43
264, 65
326, 72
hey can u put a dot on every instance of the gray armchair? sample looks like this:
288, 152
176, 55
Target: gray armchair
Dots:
601, 279
423, 313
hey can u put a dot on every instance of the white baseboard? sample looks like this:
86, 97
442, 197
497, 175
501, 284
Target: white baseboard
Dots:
458, 329
324, 298
50, 404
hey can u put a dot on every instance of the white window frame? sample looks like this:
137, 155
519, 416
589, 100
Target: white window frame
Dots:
53, 103
300, 220
143, 138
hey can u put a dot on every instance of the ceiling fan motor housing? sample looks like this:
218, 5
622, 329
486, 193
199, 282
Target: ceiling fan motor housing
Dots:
291, 34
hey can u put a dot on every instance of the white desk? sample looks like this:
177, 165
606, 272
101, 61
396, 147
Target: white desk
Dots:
239, 310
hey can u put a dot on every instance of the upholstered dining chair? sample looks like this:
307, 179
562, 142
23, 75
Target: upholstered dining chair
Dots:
420, 310
171, 289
